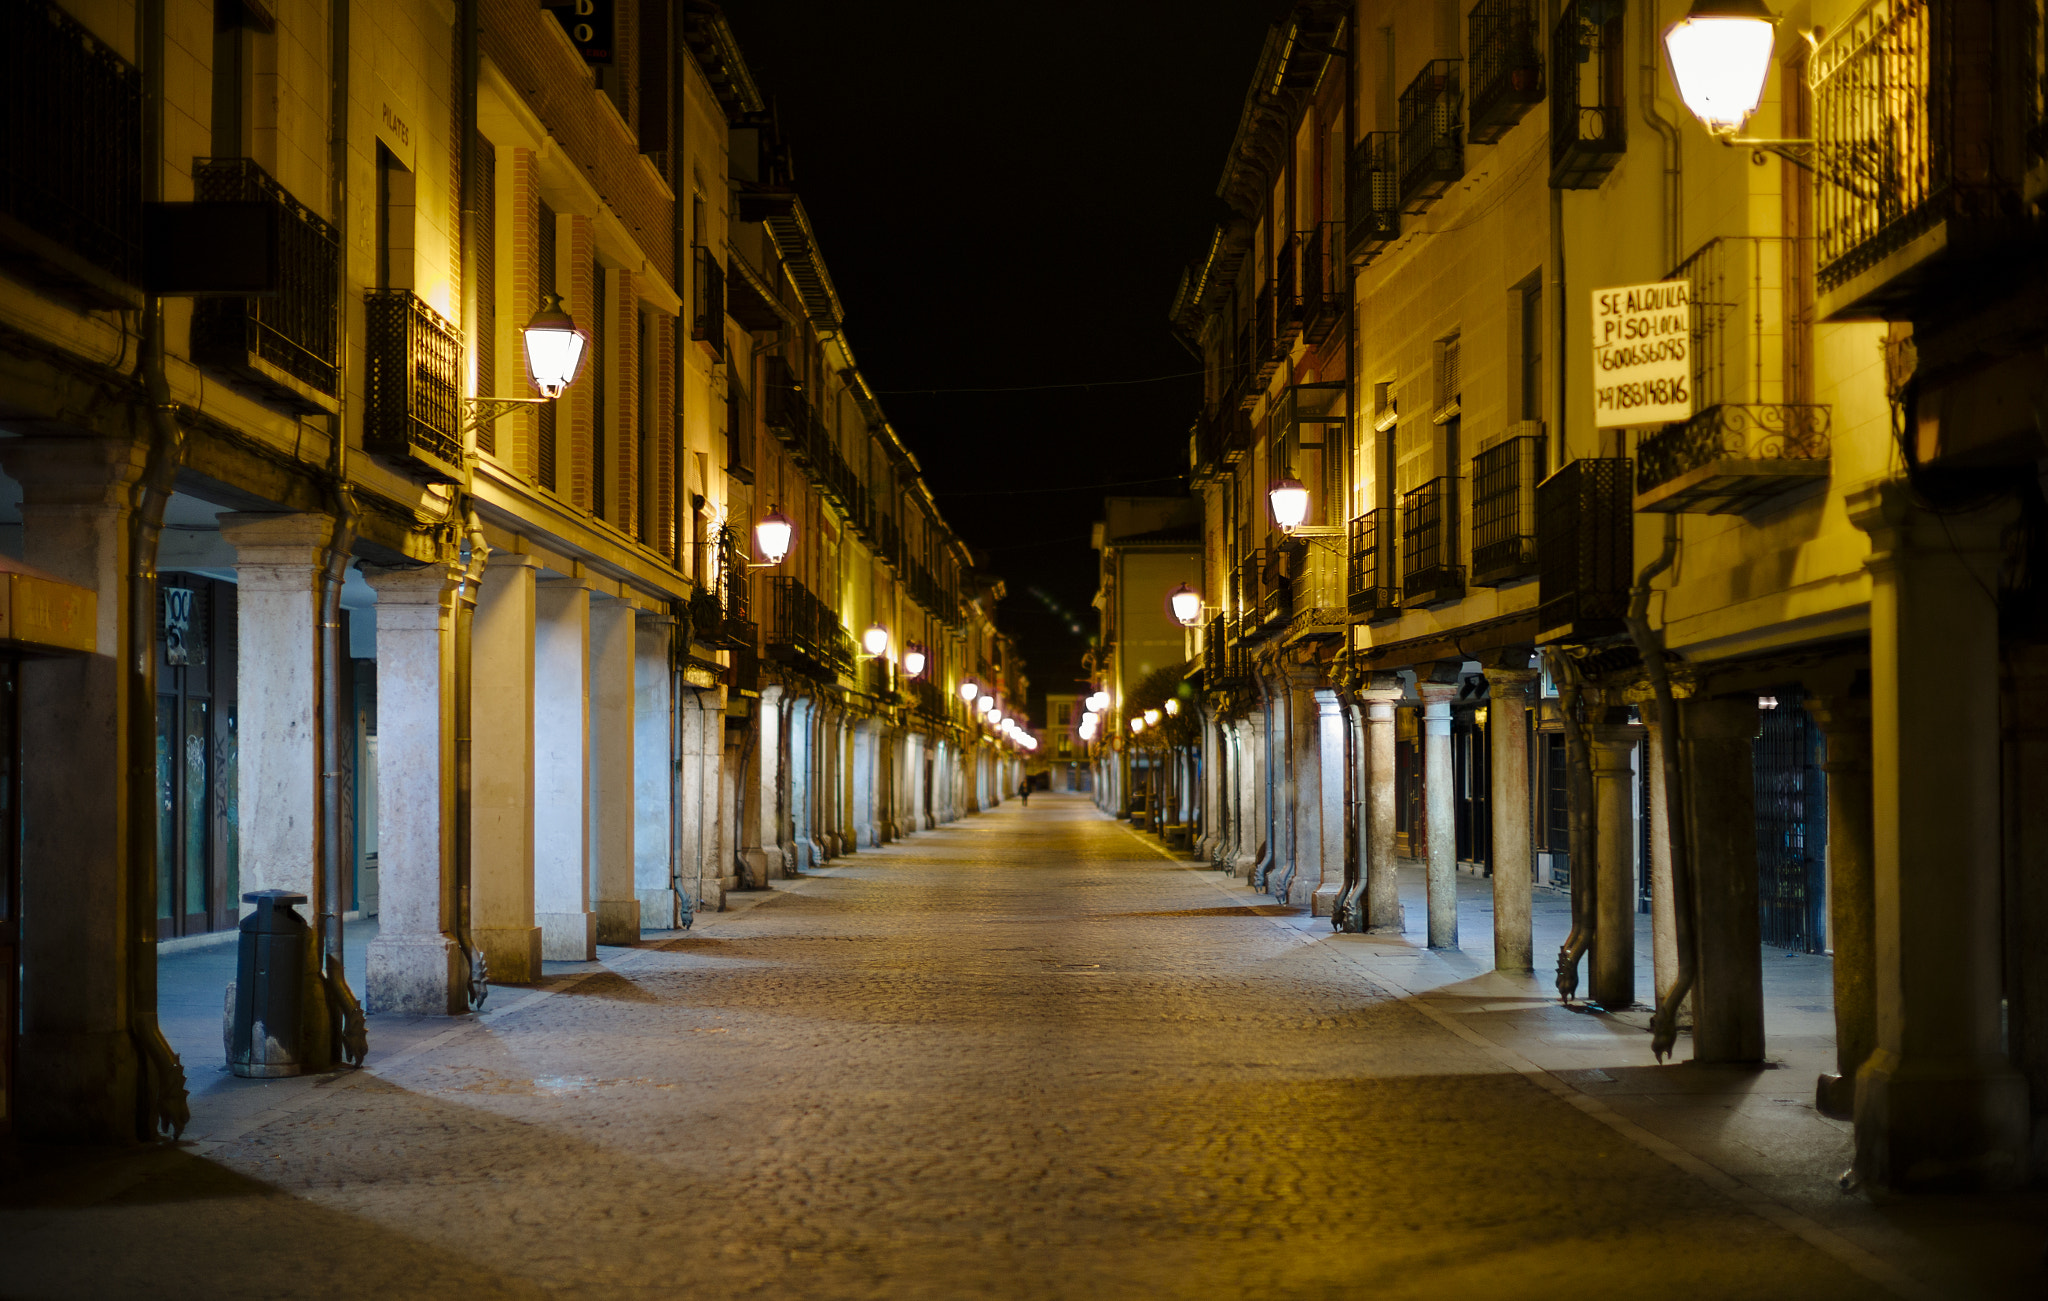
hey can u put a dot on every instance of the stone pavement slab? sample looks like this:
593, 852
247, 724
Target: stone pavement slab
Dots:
1024, 1055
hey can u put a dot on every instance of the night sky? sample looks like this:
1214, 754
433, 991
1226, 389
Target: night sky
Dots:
1006, 195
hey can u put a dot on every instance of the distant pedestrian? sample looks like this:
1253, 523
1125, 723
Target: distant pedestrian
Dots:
1024, 792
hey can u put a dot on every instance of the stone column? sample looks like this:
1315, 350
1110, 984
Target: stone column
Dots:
1383, 911
1303, 869
415, 963
1613, 985
76, 1075
613, 799
1330, 725
1852, 904
1663, 902
561, 773
654, 772
277, 621
1438, 685
1728, 991
1937, 1103
861, 828
2026, 847
1507, 688
501, 783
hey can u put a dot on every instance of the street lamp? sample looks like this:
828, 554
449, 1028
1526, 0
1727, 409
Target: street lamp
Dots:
773, 535
985, 704
554, 357
1186, 604
969, 690
1172, 708
1151, 718
1137, 726
875, 640
1289, 500
1720, 54
1099, 702
914, 658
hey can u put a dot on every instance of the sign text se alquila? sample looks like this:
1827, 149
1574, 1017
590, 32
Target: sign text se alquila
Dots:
1642, 354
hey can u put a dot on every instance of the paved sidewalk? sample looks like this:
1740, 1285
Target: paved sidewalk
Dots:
1024, 1055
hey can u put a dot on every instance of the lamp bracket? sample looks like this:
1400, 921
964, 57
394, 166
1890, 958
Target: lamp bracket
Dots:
1841, 169
480, 411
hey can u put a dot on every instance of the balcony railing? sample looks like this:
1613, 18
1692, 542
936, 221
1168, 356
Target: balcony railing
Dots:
1507, 66
412, 394
1268, 350
1504, 479
1373, 195
286, 345
1323, 285
1214, 650
1430, 572
1316, 573
707, 324
1752, 438
1585, 550
785, 408
1370, 591
1588, 128
1432, 138
1287, 288
807, 634
70, 157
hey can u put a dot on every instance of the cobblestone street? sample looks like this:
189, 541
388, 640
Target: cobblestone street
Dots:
1021, 1056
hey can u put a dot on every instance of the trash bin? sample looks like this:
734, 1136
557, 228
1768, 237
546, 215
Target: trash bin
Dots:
263, 1031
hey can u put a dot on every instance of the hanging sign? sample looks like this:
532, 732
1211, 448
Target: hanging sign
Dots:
589, 24
1642, 354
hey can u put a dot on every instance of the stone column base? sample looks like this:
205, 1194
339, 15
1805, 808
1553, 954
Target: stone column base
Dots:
658, 909
513, 953
757, 862
1323, 903
568, 937
79, 1087
1939, 1126
417, 975
618, 921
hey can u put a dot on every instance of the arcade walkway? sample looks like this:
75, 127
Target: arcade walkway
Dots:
1021, 1056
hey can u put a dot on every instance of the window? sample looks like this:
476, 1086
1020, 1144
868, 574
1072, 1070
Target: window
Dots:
600, 501
1449, 404
643, 482
544, 458
394, 222
1531, 303
244, 55
485, 340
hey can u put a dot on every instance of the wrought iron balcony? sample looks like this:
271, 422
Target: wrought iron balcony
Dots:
1287, 284
286, 345
1504, 479
785, 408
1585, 550
1507, 66
1733, 457
70, 159
1373, 195
1588, 129
1268, 350
806, 634
1370, 592
1922, 115
707, 323
1432, 133
412, 390
1430, 572
1324, 285
1316, 572
1752, 438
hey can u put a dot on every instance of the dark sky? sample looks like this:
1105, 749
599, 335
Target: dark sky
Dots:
1005, 195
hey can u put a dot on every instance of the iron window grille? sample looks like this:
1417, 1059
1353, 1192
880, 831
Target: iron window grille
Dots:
1588, 128
1249, 571
1287, 291
1369, 586
1373, 198
707, 325
1432, 153
1504, 479
1585, 549
71, 156
294, 333
1430, 572
1323, 289
412, 394
1507, 66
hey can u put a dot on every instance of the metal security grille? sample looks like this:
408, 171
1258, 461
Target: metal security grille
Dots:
411, 392
1372, 202
1432, 141
1791, 827
1429, 541
1585, 546
1504, 509
1588, 121
1507, 69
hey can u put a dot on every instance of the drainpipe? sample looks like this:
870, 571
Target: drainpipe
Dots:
347, 1034
1650, 646
1579, 800
465, 770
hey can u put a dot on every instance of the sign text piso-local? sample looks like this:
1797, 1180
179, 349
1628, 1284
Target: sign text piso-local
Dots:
1642, 354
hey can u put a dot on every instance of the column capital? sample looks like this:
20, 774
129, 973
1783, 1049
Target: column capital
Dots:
1896, 523
1505, 659
73, 471
1436, 694
1442, 673
1502, 683
502, 559
270, 545
429, 584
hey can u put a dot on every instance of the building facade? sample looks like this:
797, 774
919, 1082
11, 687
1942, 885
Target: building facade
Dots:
1680, 665
408, 636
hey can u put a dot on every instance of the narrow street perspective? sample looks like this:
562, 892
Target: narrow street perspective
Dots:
1024, 1056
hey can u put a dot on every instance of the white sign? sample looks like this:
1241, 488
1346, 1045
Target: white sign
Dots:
1642, 354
